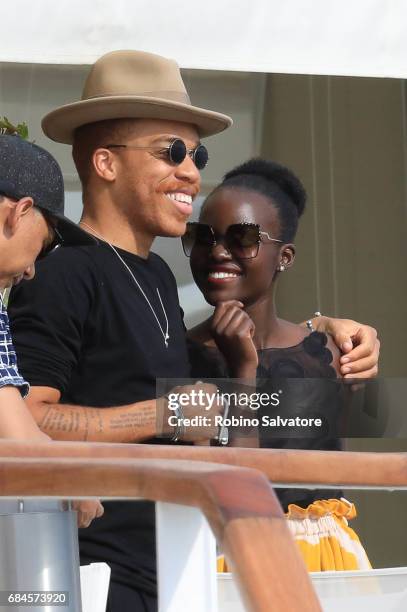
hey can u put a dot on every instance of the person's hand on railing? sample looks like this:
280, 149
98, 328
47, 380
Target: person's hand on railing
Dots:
88, 510
190, 413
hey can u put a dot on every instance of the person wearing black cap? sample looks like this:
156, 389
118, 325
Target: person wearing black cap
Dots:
32, 182
32, 224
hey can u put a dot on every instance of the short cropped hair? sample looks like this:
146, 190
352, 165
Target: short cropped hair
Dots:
91, 136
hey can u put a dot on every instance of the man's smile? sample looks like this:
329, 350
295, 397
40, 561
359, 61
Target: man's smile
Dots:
182, 201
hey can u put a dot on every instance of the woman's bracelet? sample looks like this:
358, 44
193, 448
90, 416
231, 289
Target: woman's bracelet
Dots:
309, 322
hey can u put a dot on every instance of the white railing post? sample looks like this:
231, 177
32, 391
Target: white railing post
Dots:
186, 560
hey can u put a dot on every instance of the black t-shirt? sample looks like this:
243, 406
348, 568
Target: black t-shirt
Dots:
82, 326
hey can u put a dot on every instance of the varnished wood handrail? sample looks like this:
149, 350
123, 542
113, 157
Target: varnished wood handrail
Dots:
238, 503
358, 469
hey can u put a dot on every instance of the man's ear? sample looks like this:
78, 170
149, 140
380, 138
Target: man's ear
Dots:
16, 212
104, 164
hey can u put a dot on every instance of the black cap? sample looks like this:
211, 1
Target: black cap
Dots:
28, 170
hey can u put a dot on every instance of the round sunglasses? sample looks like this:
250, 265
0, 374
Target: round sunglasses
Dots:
175, 152
242, 240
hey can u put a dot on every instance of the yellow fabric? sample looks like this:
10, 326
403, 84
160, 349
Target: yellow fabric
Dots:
325, 540
323, 536
323, 507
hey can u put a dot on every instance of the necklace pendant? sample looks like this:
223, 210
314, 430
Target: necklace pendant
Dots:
166, 338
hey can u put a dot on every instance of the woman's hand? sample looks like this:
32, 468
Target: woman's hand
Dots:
358, 343
233, 331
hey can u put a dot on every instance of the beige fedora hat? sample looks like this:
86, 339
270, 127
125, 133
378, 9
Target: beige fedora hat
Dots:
132, 84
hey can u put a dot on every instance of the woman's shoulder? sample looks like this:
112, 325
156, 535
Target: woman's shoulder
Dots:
287, 334
316, 344
307, 355
323, 350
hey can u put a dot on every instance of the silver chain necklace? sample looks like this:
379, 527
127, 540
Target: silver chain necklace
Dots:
164, 333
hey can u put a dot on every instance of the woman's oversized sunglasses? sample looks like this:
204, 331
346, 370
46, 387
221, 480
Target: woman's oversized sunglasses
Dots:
242, 240
175, 152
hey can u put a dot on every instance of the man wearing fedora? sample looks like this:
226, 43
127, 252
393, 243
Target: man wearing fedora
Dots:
107, 321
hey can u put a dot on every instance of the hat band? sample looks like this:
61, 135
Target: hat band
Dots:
173, 96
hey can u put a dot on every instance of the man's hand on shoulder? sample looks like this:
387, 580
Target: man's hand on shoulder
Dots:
358, 343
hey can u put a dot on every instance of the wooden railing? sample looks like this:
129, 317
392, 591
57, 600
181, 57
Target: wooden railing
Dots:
233, 492
239, 504
348, 469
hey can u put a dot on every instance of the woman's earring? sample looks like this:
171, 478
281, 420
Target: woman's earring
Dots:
281, 267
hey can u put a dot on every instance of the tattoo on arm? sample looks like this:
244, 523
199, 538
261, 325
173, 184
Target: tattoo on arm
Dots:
59, 420
135, 420
86, 418
98, 416
125, 423
43, 423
